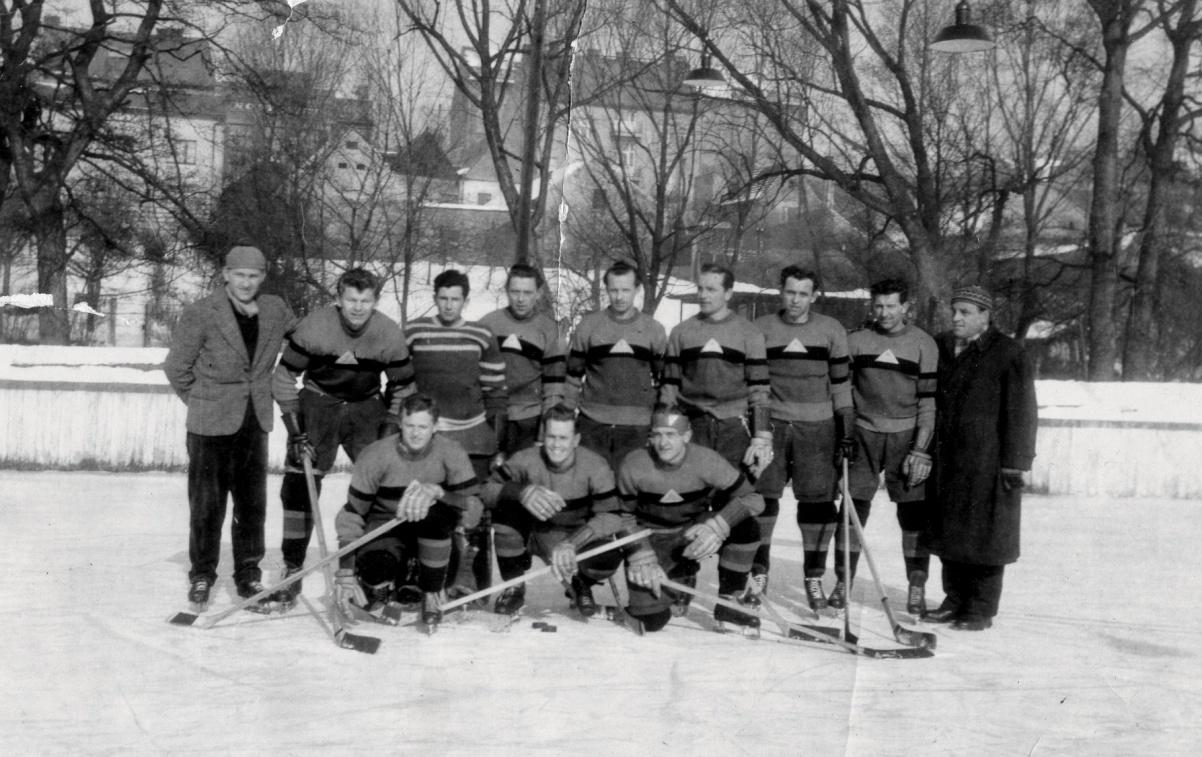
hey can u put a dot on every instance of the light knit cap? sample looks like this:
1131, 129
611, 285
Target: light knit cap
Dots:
245, 256
671, 418
977, 295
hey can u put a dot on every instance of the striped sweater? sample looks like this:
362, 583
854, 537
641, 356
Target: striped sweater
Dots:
664, 496
460, 367
716, 366
586, 485
613, 366
344, 364
535, 360
807, 367
893, 378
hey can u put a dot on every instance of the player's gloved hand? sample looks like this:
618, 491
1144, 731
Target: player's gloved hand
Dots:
642, 569
1012, 479
472, 513
541, 501
845, 441
758, 455
347, 590
390, 426
705, 538
916, 467
563, 560
495, 463
298, 441
417, 501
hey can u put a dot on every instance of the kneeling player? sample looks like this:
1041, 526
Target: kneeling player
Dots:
425, 480
552, 501
697, 504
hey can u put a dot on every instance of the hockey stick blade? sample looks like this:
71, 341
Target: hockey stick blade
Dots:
364, 644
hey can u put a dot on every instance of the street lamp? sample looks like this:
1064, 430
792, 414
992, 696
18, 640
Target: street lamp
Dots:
963, 36
705, 76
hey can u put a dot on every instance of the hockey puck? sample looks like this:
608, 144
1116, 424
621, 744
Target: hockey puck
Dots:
548, 628
538, 624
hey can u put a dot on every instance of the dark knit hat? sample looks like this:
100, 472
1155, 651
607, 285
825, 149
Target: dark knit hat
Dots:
245, 256
977, 295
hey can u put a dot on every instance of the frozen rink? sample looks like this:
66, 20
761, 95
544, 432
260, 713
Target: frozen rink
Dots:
1095, 651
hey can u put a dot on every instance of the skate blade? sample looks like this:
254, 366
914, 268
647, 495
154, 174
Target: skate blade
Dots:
736, 629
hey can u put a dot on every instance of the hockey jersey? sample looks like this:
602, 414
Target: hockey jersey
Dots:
460, 367
893, 378
535, 361
663, 496
344, 363
613, 367
716, 366
385, 468
586, 485
807, 367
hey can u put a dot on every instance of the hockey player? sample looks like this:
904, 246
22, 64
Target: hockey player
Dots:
615, 360
339, 353
715, 369
812, 420
893, 389
554, 500
458, 364
697, 504
220, 365
421, 477
535, 356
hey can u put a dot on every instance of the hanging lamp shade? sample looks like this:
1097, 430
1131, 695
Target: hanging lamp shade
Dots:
705, 77
963, 36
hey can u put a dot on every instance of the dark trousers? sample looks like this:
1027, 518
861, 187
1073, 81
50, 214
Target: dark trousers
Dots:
726, 436
611, 441
520, 434
972, 590
221, 466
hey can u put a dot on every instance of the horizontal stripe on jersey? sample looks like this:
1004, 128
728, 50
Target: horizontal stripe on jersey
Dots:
586, 486
385, 469
460, 367
670, 496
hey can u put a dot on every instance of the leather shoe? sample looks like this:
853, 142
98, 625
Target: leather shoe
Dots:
972, 624
943, 614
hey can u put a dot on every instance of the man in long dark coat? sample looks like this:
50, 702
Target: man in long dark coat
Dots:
985, 441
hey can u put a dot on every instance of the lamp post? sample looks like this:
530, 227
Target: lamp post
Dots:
963, 36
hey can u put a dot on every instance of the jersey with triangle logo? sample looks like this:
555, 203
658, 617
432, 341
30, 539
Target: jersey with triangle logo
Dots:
671, 497
347, 358
621, 348
512, 343
712, 346
887, 357
796, 346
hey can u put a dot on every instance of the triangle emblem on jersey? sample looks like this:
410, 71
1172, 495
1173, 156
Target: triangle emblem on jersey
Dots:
796, 346
712, 346
512, 343
887, 357
621, 348
671, 497
347, 358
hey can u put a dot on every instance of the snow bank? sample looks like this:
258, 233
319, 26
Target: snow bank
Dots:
111, 408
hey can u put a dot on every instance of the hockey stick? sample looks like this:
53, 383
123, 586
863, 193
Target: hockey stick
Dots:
847, 505
620, 616
802, 634
191, 618
908, 636
342, 637
530, 574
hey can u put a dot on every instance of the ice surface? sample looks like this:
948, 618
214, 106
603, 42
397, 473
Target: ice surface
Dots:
1095, 652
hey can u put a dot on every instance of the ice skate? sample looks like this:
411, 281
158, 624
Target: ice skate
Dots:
198, 595
432, 602
264, 605
511, 600
757, 587
814, 596
748, 625
582, 596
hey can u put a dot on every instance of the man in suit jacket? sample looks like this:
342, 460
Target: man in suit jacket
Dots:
220, 365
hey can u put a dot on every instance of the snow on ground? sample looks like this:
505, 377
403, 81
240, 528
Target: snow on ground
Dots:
1095, 652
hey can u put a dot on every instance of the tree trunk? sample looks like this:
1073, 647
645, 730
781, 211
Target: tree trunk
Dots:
50, 232
1103, 211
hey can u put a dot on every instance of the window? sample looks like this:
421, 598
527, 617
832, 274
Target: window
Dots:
483, 198
342, 164
361, 166
352, 145
185, 149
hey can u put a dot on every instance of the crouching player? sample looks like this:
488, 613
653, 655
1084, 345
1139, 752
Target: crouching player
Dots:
422, 478
697, 504
552, 501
